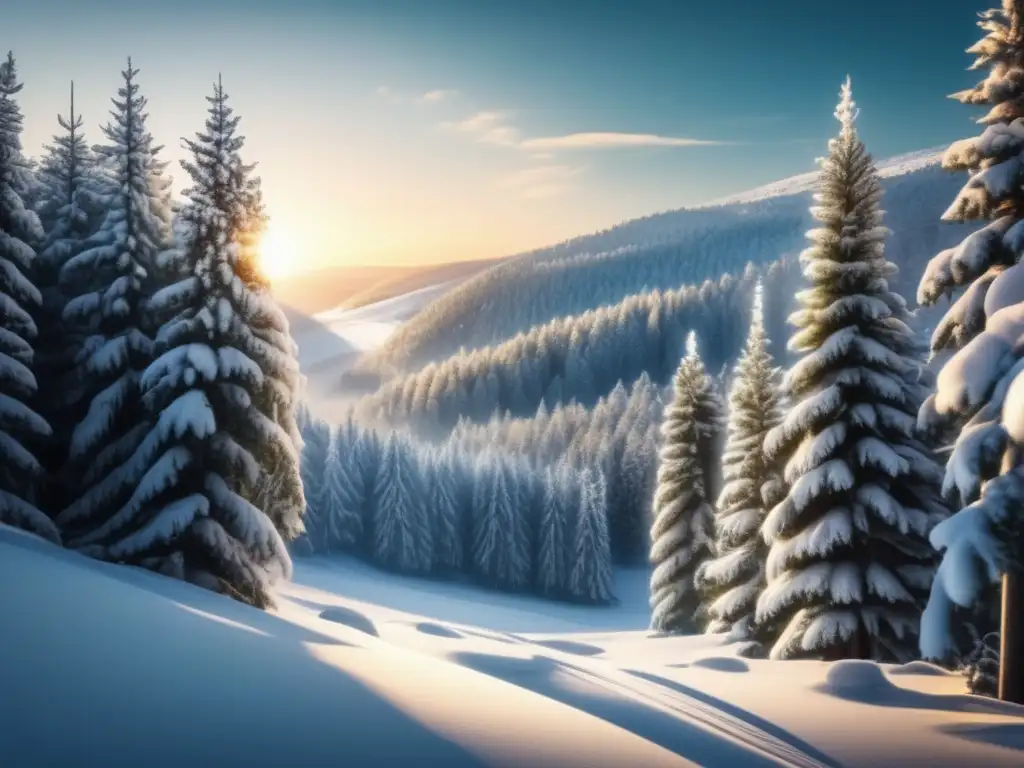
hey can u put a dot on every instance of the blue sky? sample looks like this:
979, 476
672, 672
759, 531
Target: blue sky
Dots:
413, 131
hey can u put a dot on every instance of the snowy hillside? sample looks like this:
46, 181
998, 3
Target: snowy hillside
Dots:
330, 337
330, 342
663, 251
131, 668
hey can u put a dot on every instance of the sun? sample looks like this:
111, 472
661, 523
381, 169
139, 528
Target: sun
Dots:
277, 253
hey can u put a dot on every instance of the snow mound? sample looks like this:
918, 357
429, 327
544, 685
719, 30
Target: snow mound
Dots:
722, 664
349, 618
571, 646
438, 630
856, 680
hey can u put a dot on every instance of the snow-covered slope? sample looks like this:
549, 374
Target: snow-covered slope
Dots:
104, 665
900, 165
338, 333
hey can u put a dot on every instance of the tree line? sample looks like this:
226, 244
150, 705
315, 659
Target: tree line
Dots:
618, 438
148, 380
437, 510
578, 358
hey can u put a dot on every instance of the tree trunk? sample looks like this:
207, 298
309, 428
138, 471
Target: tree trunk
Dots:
1011, 651
860, 643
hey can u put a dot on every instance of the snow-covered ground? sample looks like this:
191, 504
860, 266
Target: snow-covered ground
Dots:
107, 665
338, 333
330, 342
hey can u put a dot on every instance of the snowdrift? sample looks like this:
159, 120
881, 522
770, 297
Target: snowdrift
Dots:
107, 665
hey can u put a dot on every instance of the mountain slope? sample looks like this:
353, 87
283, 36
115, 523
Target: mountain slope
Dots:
662, 251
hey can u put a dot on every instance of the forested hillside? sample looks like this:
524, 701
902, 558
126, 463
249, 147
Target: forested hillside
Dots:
660, 252
582, 358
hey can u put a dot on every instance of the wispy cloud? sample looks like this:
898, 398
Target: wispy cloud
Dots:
496, 127
488, 128
433, 97
541, 181
609, 140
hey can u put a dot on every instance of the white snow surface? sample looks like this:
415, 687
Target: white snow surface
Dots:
113, 666
345, 333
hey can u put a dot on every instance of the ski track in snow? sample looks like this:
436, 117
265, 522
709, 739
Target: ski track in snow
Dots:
570, 671
609, 668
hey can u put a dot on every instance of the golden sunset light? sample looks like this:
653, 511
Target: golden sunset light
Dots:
541, 383
278, 255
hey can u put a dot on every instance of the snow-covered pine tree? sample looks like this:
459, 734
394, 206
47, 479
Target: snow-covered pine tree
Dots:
590, 576
979, 396
72, 207
445, 511
107, 284
345, 493
555, 533
683, 530
398, 505
316, 450
732, 580
21, 428
500, 553
278, 393
211, 449
849, 564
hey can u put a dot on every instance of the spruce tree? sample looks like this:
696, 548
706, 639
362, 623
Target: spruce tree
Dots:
212, 451
397, 504
21, 428
445, 512
683, 530
590, 578
345, 492
732, 581
316, 449
553, 549
978, 402
849, 563
107, 284
71, 208
500, 550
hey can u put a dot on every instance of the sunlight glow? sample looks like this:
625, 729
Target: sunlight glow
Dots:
278, 254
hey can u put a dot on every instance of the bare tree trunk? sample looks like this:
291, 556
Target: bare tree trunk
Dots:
1011, 652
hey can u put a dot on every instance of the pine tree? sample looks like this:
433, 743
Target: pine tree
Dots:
979, 399
397, 501
71, 208
501, 554
555, 538
732, 581
21, 428
683, 529
345, 492
590, 578
107, 285
445, 511
316, 450
849, 562
212, 451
